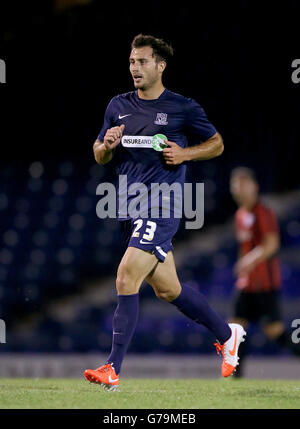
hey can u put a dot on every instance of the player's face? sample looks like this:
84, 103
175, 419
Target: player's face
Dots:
144, 69
243, 189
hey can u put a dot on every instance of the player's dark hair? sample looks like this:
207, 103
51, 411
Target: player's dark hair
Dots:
162, 51
244, 171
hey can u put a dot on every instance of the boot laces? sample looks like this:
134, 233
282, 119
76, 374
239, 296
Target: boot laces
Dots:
103, 368
219, 348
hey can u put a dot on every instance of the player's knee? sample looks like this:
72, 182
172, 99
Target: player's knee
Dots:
124, 286
125, 282
166, 295
273, 330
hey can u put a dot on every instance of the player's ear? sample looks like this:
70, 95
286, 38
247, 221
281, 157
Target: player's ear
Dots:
162, 65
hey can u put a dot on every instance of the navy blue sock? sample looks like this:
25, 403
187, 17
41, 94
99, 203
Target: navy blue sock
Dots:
195, 306
124, 323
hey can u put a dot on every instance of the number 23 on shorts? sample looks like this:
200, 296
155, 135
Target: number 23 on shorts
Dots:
149, 231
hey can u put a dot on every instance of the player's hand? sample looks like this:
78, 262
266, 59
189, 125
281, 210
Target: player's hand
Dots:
113, 137
174, 154
243, 267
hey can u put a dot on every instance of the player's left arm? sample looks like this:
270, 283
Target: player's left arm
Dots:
268, 247
211, 148
197, 124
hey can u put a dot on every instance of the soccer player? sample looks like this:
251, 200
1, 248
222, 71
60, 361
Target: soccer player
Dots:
131, 121
257, 269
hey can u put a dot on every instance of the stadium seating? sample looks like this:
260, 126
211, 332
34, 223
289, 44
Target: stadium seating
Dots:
52, 240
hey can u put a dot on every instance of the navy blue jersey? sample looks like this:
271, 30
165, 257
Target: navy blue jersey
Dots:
171, 114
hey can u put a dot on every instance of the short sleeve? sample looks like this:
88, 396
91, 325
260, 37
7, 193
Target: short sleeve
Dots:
108, 120
267, 221
197, 122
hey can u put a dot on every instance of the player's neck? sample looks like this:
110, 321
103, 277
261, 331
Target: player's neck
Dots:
151, 93
250, 204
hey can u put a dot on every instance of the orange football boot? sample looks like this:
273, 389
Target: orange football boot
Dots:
104, 375
230, 348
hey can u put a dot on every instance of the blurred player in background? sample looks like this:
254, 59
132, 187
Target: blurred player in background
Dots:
257, 269
131, 124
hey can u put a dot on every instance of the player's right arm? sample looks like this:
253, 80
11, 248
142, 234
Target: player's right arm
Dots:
109, 136
269, 246
104, 151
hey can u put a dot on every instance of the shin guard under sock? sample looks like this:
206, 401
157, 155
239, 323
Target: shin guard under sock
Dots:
124, 323
195, 306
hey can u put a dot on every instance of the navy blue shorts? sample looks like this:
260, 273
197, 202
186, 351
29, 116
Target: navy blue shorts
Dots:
152, 235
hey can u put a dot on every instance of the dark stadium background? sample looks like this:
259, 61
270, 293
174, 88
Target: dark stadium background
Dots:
65, 60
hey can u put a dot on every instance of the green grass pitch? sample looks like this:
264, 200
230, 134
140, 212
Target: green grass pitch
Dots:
150, 394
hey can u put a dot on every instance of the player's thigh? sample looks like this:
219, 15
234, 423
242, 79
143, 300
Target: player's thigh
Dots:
164, 280
135, 265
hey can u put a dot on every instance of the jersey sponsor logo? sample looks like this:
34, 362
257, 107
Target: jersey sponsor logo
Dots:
137, 141
124, 116
161, 119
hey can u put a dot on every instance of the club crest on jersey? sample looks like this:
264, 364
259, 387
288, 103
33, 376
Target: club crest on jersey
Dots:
161, 119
